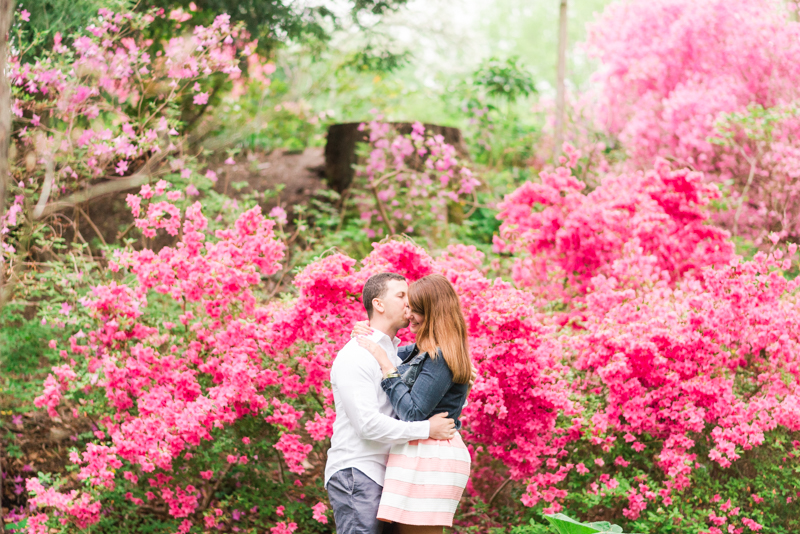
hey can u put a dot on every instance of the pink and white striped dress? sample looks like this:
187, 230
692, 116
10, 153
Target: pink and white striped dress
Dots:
424, 482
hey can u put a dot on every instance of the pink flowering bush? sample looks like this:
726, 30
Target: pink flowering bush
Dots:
764, 198
673, 71
691, 378
678, 356
565, 236
410, 181
683, 376
176, 396
213, 408
150, 401
108, 105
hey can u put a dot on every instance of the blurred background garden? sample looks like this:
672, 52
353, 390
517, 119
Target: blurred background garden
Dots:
194, 193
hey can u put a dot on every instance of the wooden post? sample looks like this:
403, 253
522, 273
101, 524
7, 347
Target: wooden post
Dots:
560, 75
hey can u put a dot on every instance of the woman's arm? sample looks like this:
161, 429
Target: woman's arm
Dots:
416, 404
362, 328
378, 353
419, 402
405, 351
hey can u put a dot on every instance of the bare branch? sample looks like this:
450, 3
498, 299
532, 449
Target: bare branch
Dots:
49, 178
752, 162
105, 188
91, 223
382, 209
498, 490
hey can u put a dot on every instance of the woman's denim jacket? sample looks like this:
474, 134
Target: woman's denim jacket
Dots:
425, 387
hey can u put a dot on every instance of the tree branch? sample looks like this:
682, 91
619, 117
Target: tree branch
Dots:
49, 178
105, 188
94, 227
382, 209
752, 162
497, 491
213, 490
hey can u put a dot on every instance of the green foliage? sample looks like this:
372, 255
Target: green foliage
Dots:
768, 472
290, 129
377, 7
377, 59
265, 117
756, 124
507, 79
48, 17
22, 342
276, 22
501, 132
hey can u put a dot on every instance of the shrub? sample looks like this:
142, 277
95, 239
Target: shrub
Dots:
672, 74
565, 236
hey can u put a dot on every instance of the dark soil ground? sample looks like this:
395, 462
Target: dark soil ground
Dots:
42, 445
301, 173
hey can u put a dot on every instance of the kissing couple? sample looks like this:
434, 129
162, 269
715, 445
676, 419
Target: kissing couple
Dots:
396, 458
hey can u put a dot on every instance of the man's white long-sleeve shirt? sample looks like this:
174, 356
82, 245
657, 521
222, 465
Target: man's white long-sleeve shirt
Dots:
365, 428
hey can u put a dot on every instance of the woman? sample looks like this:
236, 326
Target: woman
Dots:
425, 478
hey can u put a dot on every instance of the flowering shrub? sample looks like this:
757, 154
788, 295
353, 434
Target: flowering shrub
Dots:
765, 176
108, 105
568, 237
697, 374
670, 67
410, 181
678, 354
161, 387
174, 397
672, 70
184, 404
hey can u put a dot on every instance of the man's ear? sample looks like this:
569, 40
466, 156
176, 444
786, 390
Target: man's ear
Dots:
377, 305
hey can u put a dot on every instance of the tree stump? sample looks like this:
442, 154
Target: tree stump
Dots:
340, 149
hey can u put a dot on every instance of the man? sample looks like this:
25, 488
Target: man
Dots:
364, 430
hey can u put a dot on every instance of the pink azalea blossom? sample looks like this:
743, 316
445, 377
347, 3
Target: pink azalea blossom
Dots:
279, 214
319, 512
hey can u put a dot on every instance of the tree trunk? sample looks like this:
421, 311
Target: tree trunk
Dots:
340, 149
560, 75
6, 15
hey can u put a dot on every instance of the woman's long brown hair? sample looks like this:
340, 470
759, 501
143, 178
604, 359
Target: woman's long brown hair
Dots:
443, 324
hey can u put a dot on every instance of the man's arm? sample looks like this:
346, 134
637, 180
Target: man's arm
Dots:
360, 402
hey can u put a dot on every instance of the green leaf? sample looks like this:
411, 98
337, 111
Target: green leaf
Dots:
566, 525
18, 525
603, 526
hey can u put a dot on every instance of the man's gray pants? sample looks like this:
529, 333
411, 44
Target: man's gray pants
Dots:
355, 499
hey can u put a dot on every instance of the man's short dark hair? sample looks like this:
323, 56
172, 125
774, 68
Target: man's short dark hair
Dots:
375, 288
